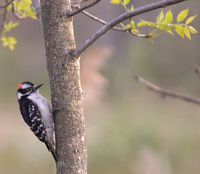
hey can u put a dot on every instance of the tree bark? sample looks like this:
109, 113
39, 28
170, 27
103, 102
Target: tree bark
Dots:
66, 92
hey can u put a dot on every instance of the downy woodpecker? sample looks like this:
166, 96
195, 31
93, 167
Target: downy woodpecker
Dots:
37, 113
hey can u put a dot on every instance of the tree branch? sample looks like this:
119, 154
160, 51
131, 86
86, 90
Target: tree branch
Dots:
103, 22
7, 4
121, 18
4, 19
139, 35
15, 13
80, 9
165, 92
114, 28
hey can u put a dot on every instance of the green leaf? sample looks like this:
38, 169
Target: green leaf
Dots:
132, 8
6, 27
170, 32
163, 22
135, 30
5, 41
169, 17
141, 23
11, 47
132, 24
182, 15
10, 25
160, 16
115, 1
180, 30
128, 25
15, 24
187, 33
151, 24
12, 41
126, 2
190, 19
25, 9
31, 14
192, 30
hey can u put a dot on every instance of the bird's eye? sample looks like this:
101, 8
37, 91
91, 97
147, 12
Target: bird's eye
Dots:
28, 89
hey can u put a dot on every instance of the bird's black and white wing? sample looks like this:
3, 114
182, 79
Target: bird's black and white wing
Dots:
32, 118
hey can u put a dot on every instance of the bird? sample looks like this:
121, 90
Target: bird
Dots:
37, 114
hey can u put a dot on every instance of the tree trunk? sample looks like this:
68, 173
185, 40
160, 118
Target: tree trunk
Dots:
66, 92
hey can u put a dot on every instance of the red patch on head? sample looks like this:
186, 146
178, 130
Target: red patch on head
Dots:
19, 86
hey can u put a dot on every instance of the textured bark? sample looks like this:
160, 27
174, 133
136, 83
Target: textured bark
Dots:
66, 92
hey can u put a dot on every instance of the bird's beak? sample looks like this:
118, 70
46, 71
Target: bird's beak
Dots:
37, 87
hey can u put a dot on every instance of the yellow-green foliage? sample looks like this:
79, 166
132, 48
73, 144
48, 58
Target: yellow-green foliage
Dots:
9, 41
23, 8
162, 24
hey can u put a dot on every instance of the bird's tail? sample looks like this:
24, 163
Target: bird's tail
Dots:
52, 150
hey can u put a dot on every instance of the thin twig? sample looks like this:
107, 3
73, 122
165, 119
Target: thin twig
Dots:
80, 9
139, 35
114, 28
4, 19
15, 13
7, 4
165, 92
102, 21
119, 19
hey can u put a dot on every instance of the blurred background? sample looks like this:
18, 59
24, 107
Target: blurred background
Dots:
130, 130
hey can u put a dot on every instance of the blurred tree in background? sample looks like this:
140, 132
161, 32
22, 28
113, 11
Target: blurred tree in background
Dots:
129, 130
